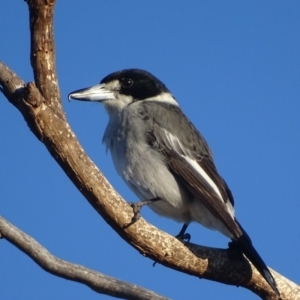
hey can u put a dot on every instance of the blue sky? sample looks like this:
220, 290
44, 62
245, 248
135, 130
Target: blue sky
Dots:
234, 67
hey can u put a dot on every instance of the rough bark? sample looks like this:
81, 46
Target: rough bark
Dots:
40, 106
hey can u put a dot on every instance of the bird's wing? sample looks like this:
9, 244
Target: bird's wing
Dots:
189, 157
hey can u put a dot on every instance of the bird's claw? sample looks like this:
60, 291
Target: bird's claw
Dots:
184, 238
136, 207
136, 213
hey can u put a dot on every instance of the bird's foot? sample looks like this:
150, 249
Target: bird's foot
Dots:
136, 207
184, 238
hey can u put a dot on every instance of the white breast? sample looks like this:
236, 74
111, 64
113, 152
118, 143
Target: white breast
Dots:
143, 169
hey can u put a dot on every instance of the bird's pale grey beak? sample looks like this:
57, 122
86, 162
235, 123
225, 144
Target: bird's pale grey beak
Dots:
98, 92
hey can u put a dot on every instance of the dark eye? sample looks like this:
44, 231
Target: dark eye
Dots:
126, 83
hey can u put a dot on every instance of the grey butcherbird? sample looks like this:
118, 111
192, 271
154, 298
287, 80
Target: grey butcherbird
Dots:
161, 155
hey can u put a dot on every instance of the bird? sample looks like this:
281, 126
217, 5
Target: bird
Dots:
164, 159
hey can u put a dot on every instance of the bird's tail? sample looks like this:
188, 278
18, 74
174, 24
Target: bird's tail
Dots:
247, 248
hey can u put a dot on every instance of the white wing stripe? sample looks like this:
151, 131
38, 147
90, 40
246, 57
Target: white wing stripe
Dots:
174, 143
204, 175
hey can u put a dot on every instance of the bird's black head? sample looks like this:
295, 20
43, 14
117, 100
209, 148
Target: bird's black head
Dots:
119, 89
137, 83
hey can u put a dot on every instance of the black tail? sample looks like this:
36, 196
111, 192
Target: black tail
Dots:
247, 248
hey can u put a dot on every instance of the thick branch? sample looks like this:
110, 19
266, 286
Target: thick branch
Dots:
98, 282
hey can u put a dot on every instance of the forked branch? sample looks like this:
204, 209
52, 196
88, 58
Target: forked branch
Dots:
40, 105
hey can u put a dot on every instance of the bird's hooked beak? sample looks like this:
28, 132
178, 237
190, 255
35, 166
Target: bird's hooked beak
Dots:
97, 93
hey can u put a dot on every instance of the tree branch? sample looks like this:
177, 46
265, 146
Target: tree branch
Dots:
98, 282
48, 123
42, 54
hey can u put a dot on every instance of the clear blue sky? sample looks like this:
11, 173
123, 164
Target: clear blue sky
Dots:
234, 67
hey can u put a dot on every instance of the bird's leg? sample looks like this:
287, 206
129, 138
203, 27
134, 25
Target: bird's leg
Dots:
137, 206
182, 236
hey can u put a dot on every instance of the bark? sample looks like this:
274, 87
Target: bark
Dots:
40, 105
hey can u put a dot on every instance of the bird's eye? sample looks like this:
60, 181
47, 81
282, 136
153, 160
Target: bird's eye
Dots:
126, 83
